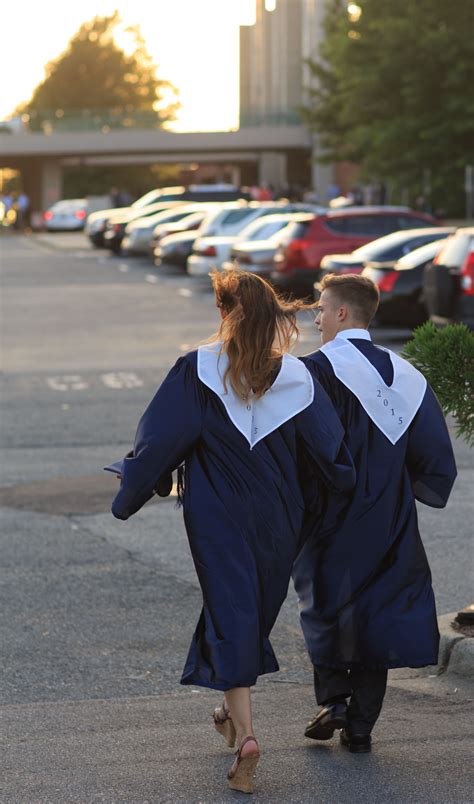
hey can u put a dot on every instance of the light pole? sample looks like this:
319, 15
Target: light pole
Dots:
468, 187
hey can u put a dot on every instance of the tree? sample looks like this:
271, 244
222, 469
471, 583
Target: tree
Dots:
94, 75
391, 92
446, 358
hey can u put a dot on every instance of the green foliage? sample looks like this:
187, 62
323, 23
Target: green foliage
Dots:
392, 93
94, 73
446, 358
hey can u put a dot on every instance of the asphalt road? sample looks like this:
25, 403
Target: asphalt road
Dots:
98, 614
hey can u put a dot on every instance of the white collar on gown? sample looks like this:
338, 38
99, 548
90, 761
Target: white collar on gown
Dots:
391, 408
291, 392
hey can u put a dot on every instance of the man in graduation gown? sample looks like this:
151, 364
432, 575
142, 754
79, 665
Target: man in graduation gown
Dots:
363, 578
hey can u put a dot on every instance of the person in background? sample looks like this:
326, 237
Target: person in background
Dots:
240, 413
363, 579
124, 197
333, 191
22, 208
114, 195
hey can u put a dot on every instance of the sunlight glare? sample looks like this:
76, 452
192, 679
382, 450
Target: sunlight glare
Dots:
195, 45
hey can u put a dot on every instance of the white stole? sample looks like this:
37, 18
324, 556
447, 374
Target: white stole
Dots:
291, 392
391, 408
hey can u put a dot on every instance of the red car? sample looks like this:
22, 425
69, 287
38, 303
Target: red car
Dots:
296, 264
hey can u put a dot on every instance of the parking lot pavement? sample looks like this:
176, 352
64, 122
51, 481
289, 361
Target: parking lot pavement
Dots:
97, 620
98, 614
63, 241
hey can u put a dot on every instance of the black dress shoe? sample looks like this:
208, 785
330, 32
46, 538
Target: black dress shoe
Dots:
356, 743
328, 719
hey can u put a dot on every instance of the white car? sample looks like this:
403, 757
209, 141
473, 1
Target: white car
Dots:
211, 252
139, 233
264, 237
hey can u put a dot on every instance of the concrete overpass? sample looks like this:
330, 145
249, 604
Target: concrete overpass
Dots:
41, 157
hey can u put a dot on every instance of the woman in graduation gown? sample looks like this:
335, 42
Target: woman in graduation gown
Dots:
240, 412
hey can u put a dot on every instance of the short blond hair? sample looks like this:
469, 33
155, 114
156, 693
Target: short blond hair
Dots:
359, 293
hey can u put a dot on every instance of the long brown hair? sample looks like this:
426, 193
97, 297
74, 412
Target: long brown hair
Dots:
258, 328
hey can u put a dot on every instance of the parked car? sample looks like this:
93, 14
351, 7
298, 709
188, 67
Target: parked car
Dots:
402, 301
96, 225
97, 221
211, 252
448, 283
256, 254
67, 215
116, 225
297, 264
190, 223
138, 233
385, 250
174, 249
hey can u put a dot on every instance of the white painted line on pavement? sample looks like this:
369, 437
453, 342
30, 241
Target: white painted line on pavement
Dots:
121, 379
151, 279
185, 292
67, 382
123, 267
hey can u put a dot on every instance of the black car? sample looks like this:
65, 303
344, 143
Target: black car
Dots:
448, 283
401, 286
174, 249
384, 250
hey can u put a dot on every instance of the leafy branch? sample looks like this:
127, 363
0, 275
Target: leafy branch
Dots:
446, 358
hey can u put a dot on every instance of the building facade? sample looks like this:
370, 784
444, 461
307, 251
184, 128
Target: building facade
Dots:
274, 78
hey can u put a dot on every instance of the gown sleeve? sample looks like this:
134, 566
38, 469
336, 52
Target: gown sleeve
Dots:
321, 436
430, 457
166, 432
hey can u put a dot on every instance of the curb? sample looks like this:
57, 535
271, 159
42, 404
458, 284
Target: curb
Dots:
456, 651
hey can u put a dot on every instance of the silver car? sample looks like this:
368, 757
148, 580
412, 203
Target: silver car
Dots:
66, 216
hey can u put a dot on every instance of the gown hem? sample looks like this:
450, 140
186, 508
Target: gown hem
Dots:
222, 686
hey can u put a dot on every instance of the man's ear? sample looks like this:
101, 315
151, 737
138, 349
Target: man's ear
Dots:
342, 313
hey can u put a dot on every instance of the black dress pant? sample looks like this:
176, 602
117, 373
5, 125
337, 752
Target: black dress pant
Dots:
365, 688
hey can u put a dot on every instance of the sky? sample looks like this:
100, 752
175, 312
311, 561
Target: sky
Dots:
194, 42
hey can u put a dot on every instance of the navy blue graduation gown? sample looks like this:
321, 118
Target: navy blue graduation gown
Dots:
243, 511
362, 577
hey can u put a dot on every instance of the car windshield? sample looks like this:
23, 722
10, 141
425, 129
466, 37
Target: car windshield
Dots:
223, 218
262, 229
420, 255
388, 246
161, 217
395, 245
157, 195
149, 198
297, 229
